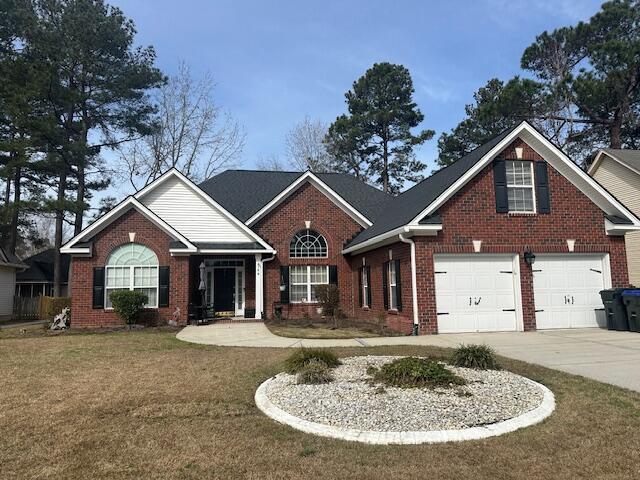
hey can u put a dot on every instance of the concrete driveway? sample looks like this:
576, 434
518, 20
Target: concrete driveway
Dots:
610, 357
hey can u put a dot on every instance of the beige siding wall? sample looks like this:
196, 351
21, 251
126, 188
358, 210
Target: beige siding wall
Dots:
624, 184
192, 216
7, 288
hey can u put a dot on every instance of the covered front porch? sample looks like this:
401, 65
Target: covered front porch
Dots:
225, 287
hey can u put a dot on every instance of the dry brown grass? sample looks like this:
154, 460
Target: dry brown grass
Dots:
144, 405
318, 331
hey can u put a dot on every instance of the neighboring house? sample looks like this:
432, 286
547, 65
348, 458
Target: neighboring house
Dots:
9, 264
619, 172
454, 253
37, 279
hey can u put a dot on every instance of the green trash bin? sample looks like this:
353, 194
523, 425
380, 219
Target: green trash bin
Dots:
631, 299
615, 309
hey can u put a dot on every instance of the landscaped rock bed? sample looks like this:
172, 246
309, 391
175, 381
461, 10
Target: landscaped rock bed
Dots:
354, 401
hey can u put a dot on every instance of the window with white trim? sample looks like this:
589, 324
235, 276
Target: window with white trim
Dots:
303, 280
132, 267
393, 286
365, 287
520, 189
308, 244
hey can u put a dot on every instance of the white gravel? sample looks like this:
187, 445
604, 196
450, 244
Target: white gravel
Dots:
352, 401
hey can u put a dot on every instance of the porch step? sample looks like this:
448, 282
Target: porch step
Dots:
235, 320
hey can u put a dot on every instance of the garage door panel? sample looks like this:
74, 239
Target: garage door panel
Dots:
474, 293
566, 290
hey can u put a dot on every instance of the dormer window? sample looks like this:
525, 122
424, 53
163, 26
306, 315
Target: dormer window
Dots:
520, 186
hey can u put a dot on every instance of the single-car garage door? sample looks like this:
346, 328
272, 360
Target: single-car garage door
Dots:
475, 293
566, 290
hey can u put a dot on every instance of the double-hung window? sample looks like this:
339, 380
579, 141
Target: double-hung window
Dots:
520, 187
303, 280
365, 287
132, 267
393, 286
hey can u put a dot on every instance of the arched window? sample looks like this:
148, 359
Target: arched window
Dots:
308, 244
132, 267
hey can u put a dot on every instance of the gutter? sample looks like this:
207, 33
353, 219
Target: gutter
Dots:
414, 286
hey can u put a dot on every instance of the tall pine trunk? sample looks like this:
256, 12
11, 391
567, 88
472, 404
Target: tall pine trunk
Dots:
60, 210
15, 211
615, 131
385, 166
77, 227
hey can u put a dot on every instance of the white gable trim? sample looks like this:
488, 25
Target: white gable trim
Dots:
175, 173
598, 160
106, 220
393, 236
556, 159
320, 185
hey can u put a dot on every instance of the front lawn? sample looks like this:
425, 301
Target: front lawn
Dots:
319, 330
142, 404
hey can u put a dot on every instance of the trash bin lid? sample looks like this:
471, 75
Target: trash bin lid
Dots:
631, 293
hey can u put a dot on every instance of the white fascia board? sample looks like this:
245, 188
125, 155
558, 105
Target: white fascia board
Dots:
617, 229
198, 191
379, 240
105, 220
208, 251
320, 185
548, 151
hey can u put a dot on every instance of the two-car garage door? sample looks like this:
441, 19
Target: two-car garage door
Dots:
481, 293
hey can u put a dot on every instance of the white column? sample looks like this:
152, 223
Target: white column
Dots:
259, 286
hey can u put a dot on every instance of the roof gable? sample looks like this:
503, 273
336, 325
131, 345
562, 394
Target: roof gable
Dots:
629, 158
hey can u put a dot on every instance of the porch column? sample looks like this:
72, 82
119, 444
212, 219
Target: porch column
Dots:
259, 286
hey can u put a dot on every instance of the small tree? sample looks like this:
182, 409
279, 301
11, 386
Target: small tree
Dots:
128, 304
329, 300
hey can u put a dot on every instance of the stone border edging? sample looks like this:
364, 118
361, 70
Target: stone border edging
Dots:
546, 408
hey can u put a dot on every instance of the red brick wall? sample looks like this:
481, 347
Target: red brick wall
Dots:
282, 223
82, 313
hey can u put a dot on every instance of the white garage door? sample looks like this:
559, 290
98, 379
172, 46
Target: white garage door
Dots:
475, 293
566, 289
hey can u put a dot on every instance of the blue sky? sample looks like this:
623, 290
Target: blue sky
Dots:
276, 61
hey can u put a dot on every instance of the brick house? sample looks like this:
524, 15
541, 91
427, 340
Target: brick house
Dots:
512, 237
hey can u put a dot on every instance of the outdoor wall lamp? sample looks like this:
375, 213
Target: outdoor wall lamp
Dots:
529, 257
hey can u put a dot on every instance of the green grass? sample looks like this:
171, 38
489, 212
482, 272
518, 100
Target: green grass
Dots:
141, 404
319, 331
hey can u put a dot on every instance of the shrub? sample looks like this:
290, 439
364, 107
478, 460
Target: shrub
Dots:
408, 372
302, 357
329, 300
128, 304
314, 372
481, 357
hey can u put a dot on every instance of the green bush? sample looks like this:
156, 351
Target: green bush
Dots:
302, 357
314, 372
329, 299
408, 372
480, 357
128, 304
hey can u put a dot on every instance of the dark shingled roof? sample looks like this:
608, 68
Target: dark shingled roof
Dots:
8, 257
630, 158
405, 207
40, 267
245, 192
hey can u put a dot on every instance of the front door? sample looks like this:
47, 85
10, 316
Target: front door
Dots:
224, 287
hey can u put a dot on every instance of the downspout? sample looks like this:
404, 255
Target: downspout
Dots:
414, 286
262, 262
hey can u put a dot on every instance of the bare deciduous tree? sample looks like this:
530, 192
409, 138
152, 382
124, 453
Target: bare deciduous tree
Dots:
272, 163
305, 147
193, 134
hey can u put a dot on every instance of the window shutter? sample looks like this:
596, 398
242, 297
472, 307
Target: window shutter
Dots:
542, 187
368, 273
284, 280
163, 287
385, 285
98, 287
333, 274
500, 184
360, 273
398, 286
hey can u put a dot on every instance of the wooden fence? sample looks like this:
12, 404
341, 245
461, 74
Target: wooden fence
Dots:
38, 308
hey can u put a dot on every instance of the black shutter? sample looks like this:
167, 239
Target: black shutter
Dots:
500, 185
163, 286
398, 286
368, 273
98, 287
284, 280
542, 187
333, 274
360, 273
385, 285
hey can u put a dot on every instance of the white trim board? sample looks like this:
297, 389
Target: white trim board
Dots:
320, 185
598, 160
114, 214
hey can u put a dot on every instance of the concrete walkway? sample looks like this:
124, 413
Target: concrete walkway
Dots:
610, 357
